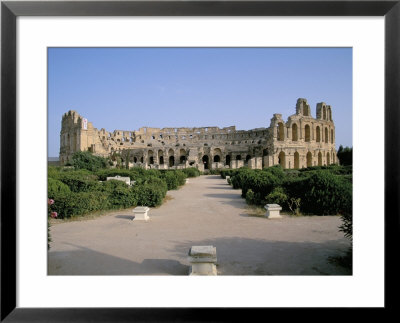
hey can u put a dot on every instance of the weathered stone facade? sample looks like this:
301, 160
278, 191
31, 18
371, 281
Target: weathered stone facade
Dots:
299, 142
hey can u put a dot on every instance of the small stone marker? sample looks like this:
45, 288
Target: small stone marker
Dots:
273, 211
227, 178
203, 260
187, 180
140, 213
127, 180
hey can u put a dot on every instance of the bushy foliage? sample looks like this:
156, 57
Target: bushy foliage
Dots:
191, 172
120, 195
79, 181
151, 193
250, 197
345, 155
56, 188
327, 194
174, 179
277, 196
86, 160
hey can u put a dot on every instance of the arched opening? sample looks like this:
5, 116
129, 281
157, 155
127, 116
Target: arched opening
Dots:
141, 159
296, 160
134, 159
281, 134
318, 130
329, 114
294, 132
319, 159
217, 155
324, 113
151, 158
326, 135
331, 136
248, 157
205, 161
171, 161
328, 160
307, 135
265, 152
182, 156
228, 160
281, 159
333, 157
161, 157
309, 159
238, 157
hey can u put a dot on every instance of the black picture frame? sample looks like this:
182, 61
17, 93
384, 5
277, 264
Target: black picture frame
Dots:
10, 10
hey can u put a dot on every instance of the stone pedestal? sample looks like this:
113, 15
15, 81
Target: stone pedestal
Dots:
203, 260
140, 213
187, 181
273, 211
227, 178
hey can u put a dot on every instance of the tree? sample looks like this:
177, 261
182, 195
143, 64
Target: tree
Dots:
345, 155
86, 160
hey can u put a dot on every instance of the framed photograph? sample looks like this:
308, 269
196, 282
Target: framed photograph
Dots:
44, 41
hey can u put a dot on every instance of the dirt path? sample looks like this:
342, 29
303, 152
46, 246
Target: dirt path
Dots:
206, 211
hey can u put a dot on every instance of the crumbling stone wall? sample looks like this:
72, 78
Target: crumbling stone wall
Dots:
299, 142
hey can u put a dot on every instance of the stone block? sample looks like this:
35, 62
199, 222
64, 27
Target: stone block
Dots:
140, 213
273, 211
203, 260
227, 178
127, 180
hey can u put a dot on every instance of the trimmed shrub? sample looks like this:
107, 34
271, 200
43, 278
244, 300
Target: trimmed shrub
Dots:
250, 197
120, 195
56, 188
191, 172
86, 160
277, 196
149, 194
80, 181
327, 194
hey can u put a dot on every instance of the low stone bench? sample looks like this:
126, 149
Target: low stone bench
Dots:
203, 260
140, 213
273, 211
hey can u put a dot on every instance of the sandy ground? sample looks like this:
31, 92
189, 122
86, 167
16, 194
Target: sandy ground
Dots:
206, 211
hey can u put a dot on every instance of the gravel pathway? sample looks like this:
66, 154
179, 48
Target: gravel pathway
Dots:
206, 211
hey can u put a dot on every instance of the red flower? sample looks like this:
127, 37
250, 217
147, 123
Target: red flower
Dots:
53, 214
50, 201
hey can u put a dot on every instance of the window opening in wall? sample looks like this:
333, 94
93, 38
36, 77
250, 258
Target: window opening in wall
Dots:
280, 130
281, 159
296, 160
238, 157
228, 160
307, 136
217, 159
294, 132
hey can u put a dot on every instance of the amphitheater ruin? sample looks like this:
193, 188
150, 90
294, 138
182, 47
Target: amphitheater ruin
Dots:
301, 141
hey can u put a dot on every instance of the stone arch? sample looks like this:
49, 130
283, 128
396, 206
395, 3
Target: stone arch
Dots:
228, 160
150, 157
248, 157
205, 161
160, 157
294, 132
319, 159
307, 133
171, 158
135, 159
309, 159
328, 160
329, 114
331, 136
182, 156
318, 134
296, 160
324, 113
326, 135
281, 159
238, 157
217, 155
281, 131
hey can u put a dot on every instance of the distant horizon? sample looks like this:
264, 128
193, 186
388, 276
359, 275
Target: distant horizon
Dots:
132, 88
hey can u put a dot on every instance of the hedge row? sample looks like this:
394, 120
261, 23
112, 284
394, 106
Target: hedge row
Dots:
319, 191
79, 192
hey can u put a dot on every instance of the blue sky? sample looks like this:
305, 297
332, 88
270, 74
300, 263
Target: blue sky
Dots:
128, 88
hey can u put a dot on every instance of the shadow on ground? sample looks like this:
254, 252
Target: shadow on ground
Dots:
243, 256
85, 261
